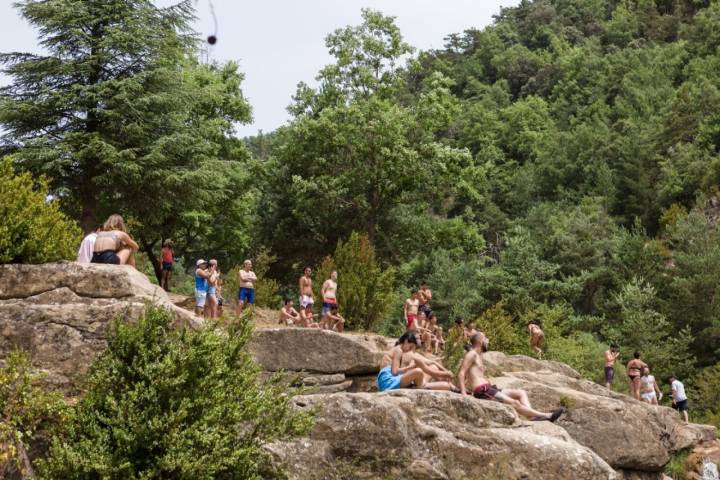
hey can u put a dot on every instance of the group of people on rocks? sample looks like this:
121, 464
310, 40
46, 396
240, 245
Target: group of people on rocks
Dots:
329, 318
643, 386
422, 321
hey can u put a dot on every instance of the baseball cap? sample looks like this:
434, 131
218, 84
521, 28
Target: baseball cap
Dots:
200, 262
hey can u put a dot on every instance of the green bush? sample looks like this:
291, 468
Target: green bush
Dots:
454, 352
365, 290
33, 229
28, 412
166, 403
704, 391
499, 327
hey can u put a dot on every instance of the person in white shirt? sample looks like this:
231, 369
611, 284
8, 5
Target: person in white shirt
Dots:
87, 246
649, 388
679, 397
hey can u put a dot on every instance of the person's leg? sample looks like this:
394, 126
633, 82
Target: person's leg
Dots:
414, 376
653, 400
519, 395
126, 256
519, 407
439, 386
636, 386
167, 280
685, 415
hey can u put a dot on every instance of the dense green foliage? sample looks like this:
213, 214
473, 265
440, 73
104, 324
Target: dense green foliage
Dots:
168, 403
33, 228
122, 118
28, 413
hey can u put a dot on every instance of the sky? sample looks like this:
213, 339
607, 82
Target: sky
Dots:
279, 43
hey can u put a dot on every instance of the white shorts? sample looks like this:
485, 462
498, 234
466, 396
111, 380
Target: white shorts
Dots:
306, 300
200, 297
648, 396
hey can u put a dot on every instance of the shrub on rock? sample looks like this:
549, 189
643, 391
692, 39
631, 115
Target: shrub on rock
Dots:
33, 229
166, 403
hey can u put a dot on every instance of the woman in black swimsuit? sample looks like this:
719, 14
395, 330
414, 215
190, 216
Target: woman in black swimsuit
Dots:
113, 245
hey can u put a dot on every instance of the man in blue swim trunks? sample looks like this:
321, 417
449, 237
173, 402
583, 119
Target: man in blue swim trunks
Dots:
246, 294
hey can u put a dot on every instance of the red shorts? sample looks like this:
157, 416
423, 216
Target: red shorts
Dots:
486, 391
410, 320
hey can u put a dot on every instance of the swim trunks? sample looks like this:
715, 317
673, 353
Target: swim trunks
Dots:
328, 303
387, 381
106, 256
425, 308
167, 266
306, 300
200, 297
411, 319
681, 406
648, 395
486, 391
609, 374
246, 295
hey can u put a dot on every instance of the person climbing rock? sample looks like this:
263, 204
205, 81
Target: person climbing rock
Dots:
537, 336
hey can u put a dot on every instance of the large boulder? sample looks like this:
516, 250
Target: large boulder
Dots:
60, 312
421, 434
321, 351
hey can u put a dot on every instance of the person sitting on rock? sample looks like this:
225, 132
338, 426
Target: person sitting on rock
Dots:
648, 388
307, 318
438, 342
113, 244
332, 320
288, 315
472, 374
392, 376
422, 331
536, 336
435, 376
634, 369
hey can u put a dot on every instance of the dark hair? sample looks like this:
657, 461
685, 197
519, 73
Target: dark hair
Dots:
407, 337
334, 308
534, 322
614, 345
423, 282
458, 321
673, 377
636, 354
287, 300
307, 268
414, 290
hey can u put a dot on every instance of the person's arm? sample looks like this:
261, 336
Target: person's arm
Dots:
126, 240
657, 389
405, 310
466, 363
253, 277
324, 288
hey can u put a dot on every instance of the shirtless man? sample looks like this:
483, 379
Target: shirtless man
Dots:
288, 315
536, 336
247, 280
472, 373
332, 320
649, 388
410, 310
425, 295
611, 356
392, 375
634, 369
305, 288
329, 293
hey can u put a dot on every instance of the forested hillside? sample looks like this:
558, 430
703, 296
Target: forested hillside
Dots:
562, 163
559, 165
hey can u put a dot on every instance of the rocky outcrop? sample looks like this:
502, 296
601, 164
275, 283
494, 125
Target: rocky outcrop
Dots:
60, 312
431, 435
318, 351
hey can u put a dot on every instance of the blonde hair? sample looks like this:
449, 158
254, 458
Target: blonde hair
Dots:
114, 222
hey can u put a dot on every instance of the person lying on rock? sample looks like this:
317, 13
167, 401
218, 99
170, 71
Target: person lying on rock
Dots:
472, 374
332, 320
288, 315
435, 376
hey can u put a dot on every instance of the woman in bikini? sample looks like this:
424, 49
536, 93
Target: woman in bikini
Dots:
113, 245
634, 369
212, 295
536, 336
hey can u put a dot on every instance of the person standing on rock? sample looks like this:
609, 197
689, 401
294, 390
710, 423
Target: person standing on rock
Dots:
634, 369
305, 288
649, 388
425, 295
113, 245
211, 309
679, 397
246, 293
536, 336
472, 374
202, 274
611, 356
392, 375
167, 258
410, 310
329, 293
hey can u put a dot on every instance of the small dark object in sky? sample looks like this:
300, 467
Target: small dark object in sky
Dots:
212, 39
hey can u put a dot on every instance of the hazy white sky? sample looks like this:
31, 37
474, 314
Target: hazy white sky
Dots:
281, 42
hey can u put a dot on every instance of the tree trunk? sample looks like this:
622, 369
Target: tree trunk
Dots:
149, 249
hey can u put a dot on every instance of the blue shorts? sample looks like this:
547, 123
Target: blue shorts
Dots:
212, 291
167, 266
246, 295
387, 381
200, 297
